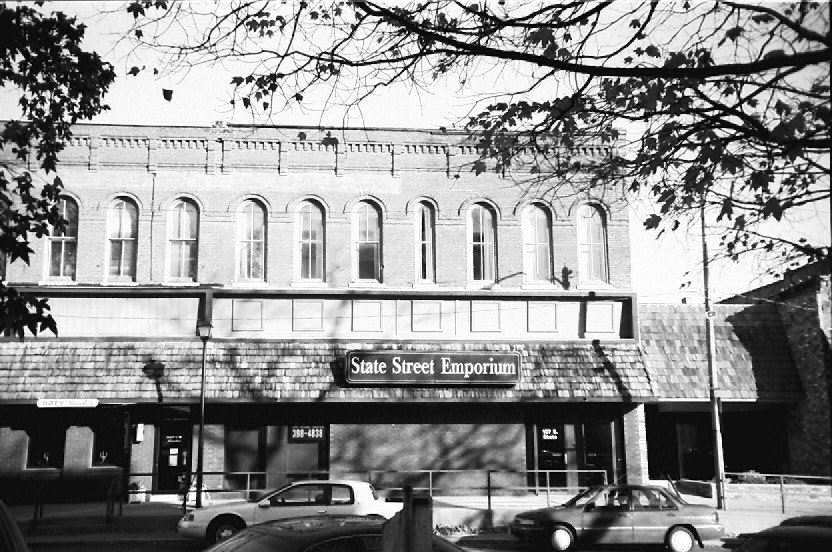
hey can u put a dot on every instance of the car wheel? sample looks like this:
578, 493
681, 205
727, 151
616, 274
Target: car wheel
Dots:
680, 539
224, 527
562, 538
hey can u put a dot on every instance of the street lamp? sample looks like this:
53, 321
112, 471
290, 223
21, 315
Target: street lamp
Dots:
203, 329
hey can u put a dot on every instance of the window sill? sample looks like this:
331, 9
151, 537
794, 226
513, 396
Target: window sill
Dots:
483, 285
254, 284
58, 282
309, 285
425, 285
119, 283
181, 283
594, 285
538, 285
366, 285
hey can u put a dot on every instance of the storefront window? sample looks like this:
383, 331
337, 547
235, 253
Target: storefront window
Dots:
575, 454
245, 457
108, 444
46, 446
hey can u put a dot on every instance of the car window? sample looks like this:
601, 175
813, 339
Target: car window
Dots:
651, 499
300, 495
342, 494
352, 543
610, 499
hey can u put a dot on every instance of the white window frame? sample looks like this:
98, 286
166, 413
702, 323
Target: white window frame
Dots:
64, 241
180, 205
117, 216
588, 273
535, 245
425, 243
362, 210
476, 211
312, 208
250, 211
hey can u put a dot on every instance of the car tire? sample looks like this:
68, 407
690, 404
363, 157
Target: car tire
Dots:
562, 538
224, 527
680, 539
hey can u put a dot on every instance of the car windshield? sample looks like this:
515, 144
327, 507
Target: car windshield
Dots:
257, 497
583, 497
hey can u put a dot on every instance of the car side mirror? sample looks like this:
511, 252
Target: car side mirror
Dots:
264, 504
589, 507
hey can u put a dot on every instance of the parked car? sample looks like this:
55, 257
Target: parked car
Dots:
789, 538
620, 514
811, 521
317, 534
303, 498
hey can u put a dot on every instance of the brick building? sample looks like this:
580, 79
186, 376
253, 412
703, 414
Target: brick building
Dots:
374, 306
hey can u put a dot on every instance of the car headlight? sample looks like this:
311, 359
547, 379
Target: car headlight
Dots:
522, 521
188, 517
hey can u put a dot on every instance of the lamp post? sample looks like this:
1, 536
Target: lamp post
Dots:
713, 376
203, 329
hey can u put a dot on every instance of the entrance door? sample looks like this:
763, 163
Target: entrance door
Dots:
173, 460
598, 453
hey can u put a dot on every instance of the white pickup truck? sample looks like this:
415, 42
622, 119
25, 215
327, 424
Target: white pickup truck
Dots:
299, 499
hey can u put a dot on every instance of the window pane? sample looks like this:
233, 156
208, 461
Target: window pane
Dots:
69, 259
257, 261
316, 262
176, 259
542, 272
190, 251
115, 257
192, 220
71, 216
366, 261
129, 256
245, 260
478, 262
55, 254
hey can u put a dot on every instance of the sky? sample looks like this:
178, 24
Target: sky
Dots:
201, 97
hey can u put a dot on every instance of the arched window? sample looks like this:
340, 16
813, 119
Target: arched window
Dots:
592, 245
482, 244
183, 232
425, 251
367, 240
310, 237
537, 249
63, 242
251, 242
122, 233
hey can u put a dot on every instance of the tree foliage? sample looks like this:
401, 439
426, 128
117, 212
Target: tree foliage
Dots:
725, 104
59, 83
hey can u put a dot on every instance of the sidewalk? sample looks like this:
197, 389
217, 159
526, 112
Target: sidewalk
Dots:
155, 521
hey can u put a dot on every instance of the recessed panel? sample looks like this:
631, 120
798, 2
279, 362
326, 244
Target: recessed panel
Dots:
485, 316
307, 315
246, 315
600, 317
366, 316
427, 316
543, 316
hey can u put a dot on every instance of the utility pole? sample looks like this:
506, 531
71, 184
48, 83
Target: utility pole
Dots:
716, 423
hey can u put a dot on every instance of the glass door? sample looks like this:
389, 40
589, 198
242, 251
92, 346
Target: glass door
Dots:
174, 455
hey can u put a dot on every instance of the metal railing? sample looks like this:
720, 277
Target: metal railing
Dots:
486, 484
808, 492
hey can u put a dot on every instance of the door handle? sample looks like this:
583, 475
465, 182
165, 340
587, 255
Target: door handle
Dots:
321, 511
671, 515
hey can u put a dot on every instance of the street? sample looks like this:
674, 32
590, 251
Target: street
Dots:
195, 547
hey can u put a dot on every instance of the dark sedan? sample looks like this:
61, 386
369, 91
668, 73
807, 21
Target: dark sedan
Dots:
789, 538
317, 534
620, 514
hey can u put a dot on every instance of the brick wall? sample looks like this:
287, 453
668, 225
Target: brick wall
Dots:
279, 190
142, 459
411, 447
635, 446
14, 444
810, 440
214, 449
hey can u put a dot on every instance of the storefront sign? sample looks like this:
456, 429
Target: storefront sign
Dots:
418, 368
305, 434
67, 403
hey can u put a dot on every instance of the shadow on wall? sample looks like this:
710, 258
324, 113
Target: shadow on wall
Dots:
400, 452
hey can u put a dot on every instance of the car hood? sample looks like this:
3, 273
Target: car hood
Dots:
234, 505
541, 513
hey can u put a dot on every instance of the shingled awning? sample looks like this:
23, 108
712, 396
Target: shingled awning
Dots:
123, 371
753, 357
